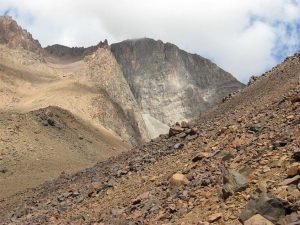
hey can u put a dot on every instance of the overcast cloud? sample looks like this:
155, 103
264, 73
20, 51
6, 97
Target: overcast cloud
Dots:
244, 37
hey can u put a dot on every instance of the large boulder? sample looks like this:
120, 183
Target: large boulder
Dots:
233, 182
271, 208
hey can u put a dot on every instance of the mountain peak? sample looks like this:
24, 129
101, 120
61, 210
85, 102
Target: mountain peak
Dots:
15, 36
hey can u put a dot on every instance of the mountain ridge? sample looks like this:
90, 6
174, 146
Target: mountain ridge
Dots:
169, 81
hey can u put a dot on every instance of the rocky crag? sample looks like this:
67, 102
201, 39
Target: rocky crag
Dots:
14, 36
170, 84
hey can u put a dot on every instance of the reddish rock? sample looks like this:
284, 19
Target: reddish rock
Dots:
258, 220
294, 170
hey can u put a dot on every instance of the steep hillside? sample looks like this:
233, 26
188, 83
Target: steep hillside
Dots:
236, 164
39, 145
170, 84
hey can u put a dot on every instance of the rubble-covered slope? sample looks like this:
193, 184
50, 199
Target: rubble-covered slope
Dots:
238, 160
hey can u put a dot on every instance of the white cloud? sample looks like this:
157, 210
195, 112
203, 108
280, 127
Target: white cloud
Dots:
241, 36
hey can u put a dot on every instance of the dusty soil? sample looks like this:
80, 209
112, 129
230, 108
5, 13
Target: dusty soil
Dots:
256, 133
39, 145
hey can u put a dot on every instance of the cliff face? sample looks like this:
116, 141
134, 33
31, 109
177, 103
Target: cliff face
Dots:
13, 35
170, 84
115, 105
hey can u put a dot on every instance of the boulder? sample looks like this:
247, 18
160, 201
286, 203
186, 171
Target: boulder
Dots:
233, 182
178, 180
271, 208
294, 170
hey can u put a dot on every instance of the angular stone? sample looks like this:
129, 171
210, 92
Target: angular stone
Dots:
294, 170
191, 137
292, 180
233, 182
194, 130
270, 208
214, 217
295, 99
199, 157
257, 127
178, 179
117, 211
258, 220
178, 146
175, 130
96, 185
181, 135
296, 156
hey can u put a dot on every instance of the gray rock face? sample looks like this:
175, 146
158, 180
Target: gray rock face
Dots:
170, 84
233, 182
270, 208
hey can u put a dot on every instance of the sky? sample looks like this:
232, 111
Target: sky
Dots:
244, 37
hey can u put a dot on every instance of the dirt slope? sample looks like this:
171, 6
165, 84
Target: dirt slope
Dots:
39, 145
242, 152
92, 88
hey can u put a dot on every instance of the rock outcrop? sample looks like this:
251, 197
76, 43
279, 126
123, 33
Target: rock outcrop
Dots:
116, 107
170, 84
13, 35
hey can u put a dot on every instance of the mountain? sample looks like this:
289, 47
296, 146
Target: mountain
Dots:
170, 84
238, 163
146, 85
118, 105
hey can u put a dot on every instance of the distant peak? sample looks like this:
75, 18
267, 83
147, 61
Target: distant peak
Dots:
74, 53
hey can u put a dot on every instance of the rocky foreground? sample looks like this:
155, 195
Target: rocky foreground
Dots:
237, 164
